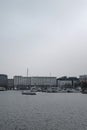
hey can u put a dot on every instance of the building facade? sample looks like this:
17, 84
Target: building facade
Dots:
43, 81
83, 78
10, 84
38, 82
21, 82
70, 82
3, 81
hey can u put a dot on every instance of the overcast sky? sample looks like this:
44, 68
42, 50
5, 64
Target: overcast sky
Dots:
45, 36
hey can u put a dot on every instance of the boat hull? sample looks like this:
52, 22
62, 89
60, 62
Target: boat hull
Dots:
28, 93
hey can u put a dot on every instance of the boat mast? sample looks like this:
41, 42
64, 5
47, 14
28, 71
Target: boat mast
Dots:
27, 79
27, 72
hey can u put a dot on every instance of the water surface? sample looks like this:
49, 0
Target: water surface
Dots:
44, 111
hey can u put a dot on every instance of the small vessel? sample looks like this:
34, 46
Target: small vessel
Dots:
84, 92
2, 89
28, 93
52, 90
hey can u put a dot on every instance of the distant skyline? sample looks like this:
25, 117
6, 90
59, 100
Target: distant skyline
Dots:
46, 37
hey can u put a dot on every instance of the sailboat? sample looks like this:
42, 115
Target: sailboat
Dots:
28, 92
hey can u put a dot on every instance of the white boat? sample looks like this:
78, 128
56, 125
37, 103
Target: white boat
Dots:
28, 93
2, 89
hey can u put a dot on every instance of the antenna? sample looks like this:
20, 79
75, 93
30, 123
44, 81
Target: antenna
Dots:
27, 72
27, 79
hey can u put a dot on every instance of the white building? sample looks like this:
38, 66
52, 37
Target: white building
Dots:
20, 81
62, 83
83, 78
67, 82
43, 81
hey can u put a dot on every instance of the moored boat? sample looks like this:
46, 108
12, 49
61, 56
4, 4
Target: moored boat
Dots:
28, 93
84, 92
2, 89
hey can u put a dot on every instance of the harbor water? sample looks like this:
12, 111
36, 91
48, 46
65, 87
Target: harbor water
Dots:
44, 111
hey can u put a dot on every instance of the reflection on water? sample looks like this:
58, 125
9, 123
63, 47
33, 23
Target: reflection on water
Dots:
44, 111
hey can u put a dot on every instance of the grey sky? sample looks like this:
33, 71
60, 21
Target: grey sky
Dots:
47, 36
